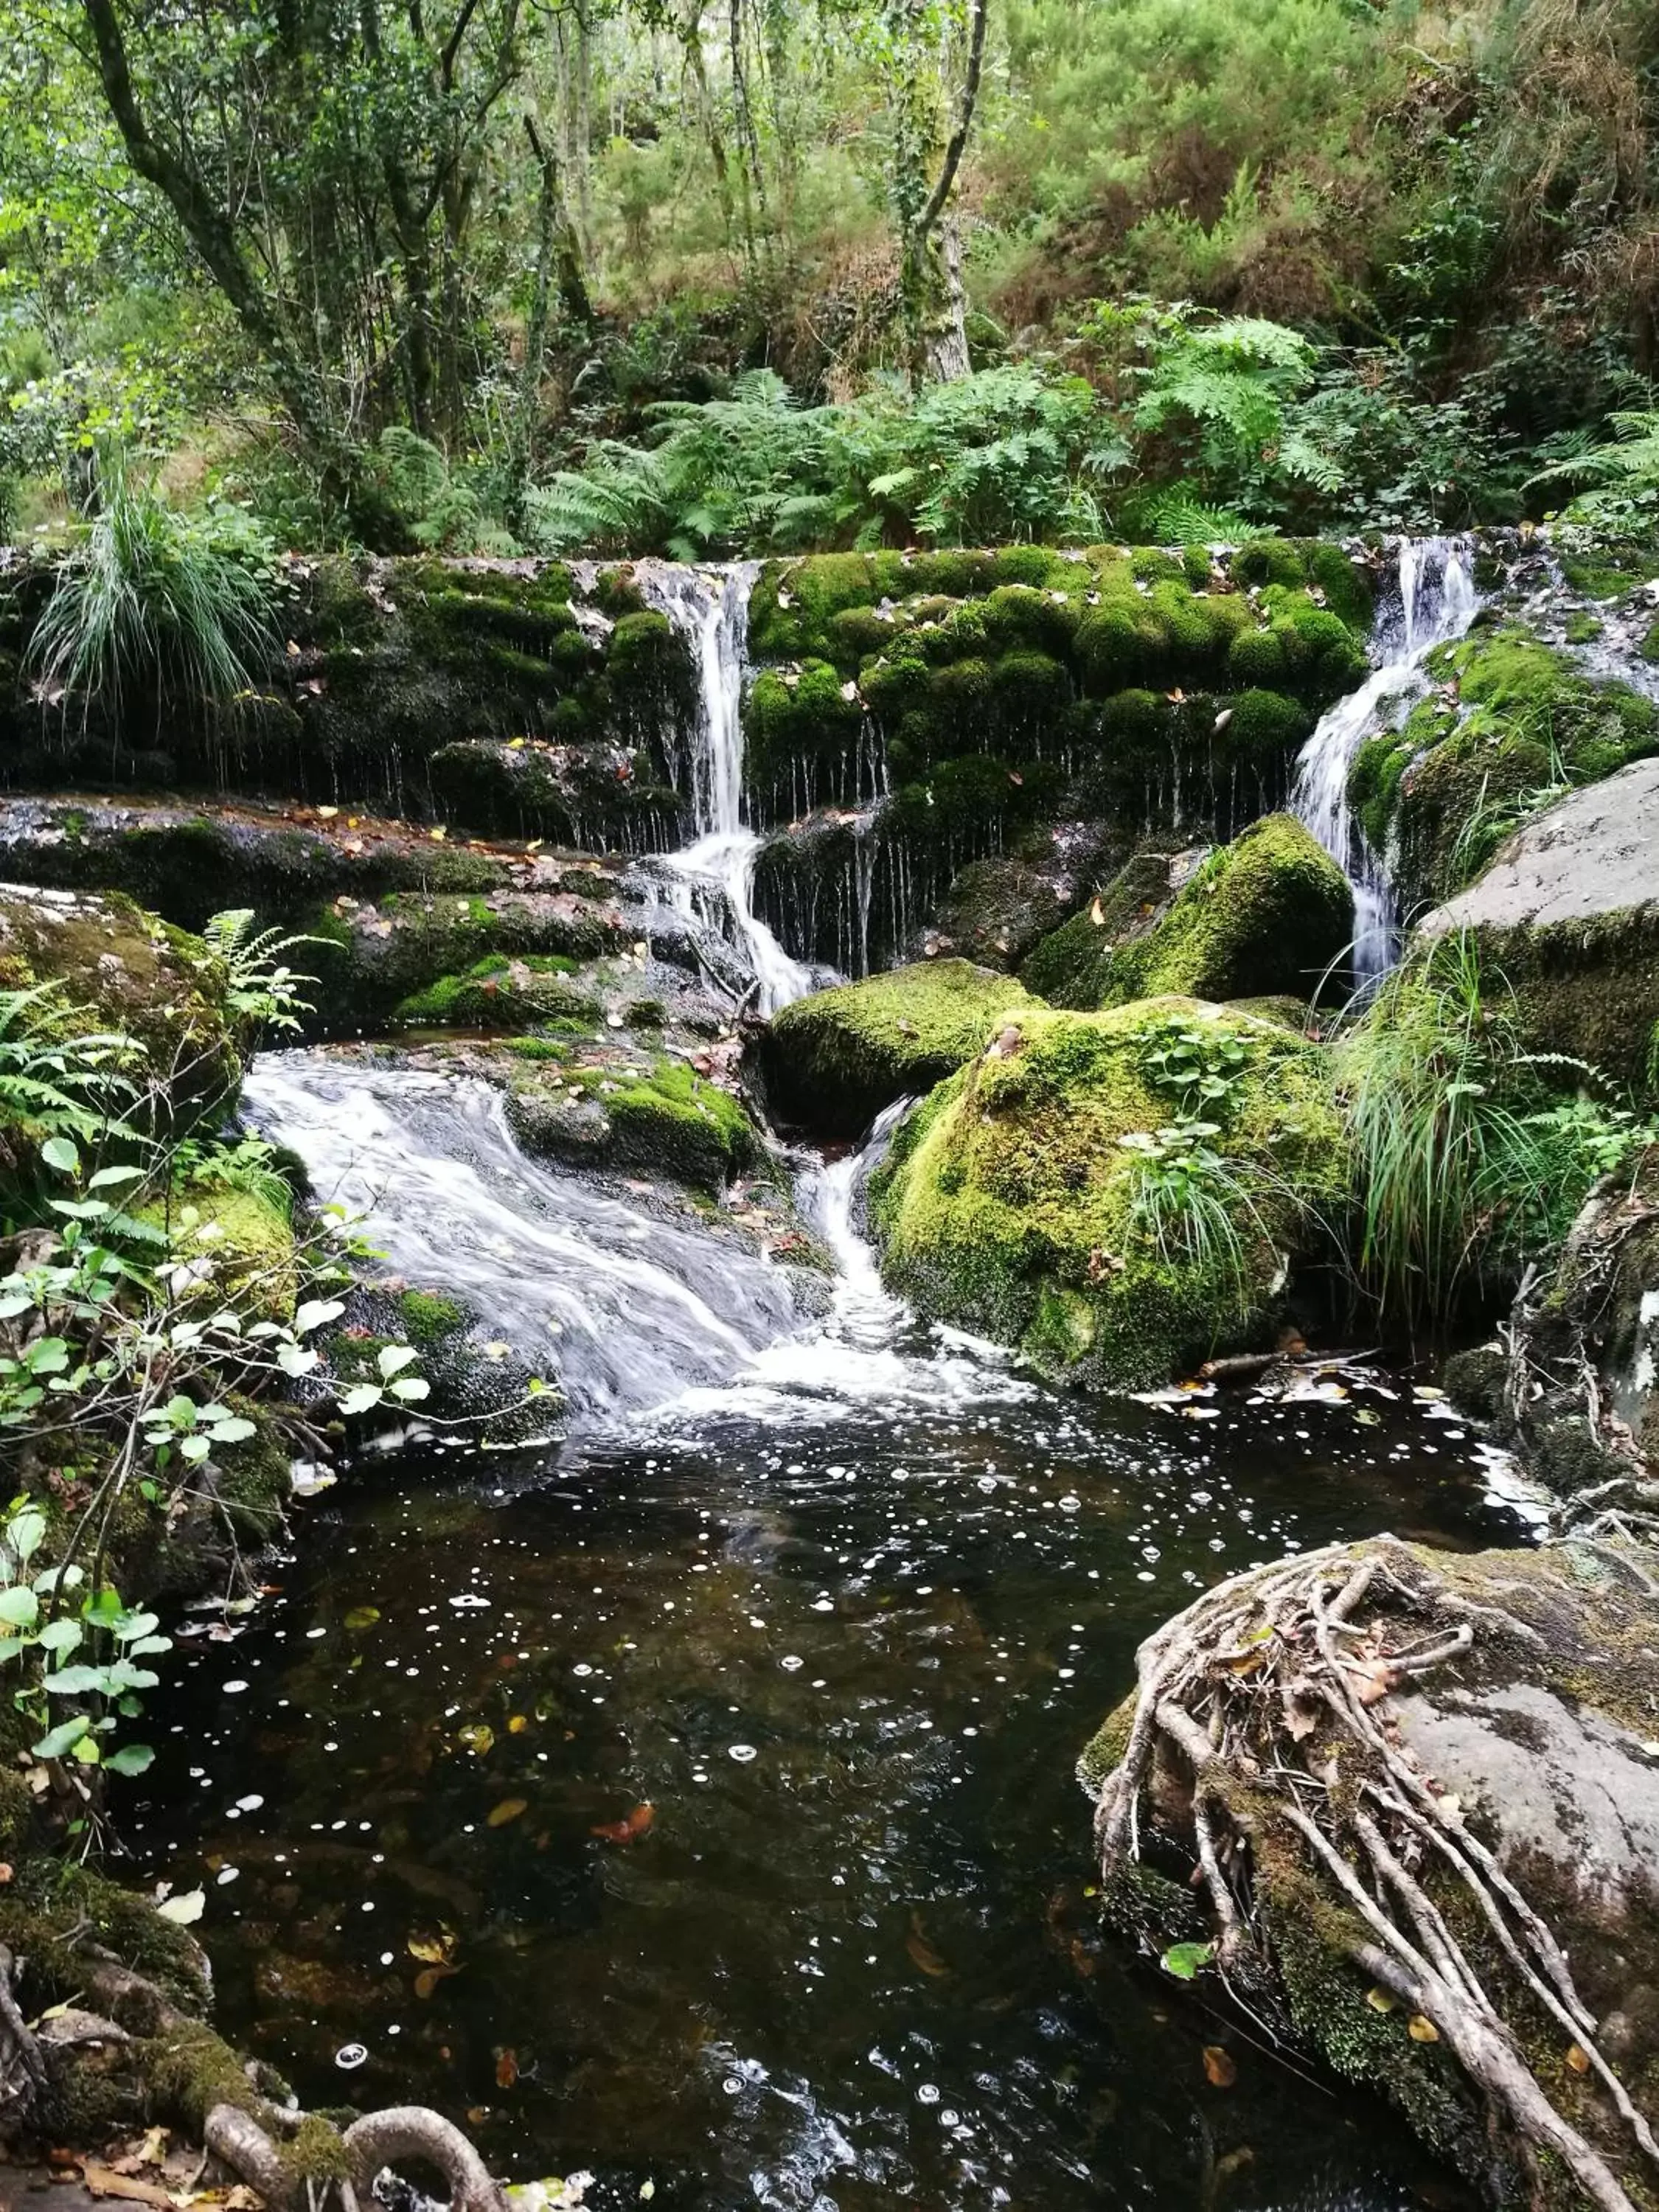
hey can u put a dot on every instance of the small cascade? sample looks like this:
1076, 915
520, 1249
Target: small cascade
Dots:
1435, 601
627, 1309
709, 607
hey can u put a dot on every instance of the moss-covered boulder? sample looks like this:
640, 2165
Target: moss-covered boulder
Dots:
1269, 915
1568, 914
652, 1115
1437, 1881
1512, 723
831, 1062
111, 969
1061, 1192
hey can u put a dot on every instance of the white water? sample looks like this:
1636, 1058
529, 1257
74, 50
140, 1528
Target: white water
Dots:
647, 1320
626, 1308
1434, 601
709, 607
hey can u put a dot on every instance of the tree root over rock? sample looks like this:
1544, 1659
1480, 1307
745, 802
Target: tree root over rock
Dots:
293, 2162
1263, 1736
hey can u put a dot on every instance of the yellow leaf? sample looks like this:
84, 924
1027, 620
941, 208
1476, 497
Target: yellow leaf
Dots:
1421, 2030
508, 1809
517, 1725
1219, 2070
439, 1949
1381, 2000
438, 834
1097, 914
515, 744
1578, 2059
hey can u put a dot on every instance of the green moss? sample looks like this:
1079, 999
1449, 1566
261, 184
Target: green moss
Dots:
675, 1123
832, 1062
1266, 724
241, 1242
1269, 913
1444, 791
1007, 1203
428, 1317
500, 993
1071, 967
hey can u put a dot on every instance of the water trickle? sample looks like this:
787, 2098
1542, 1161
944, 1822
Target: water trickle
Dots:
709, 607
1434, 601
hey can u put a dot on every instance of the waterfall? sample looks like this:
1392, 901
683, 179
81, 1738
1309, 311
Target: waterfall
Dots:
1434, 601
709, 607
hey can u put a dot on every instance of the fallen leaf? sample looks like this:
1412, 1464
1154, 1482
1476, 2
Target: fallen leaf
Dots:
326, 813
5, 1874
438, 834
478, 1738
189, 1906
1381, 2000
506, 2069
1578, 2059
1097, 914
100, 2181
921, 1951
517, 1725
628, 1831
1421, 2030
436, 1949
1219, 2071
429, 1976
362, 1616
508, 1809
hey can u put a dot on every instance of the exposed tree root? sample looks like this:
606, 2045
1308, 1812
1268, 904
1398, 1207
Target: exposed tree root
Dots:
293, 2163
1262, 1707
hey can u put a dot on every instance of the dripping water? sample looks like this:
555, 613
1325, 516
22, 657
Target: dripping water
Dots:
1434, 601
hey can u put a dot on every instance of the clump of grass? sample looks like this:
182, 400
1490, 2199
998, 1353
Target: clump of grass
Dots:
1473, 1152
148, 601
1197, 1208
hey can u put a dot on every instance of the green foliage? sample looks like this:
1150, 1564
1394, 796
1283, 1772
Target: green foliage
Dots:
259, 991
1467, 1166
1620, 478
62, 1083
150, 600
1197, 1208
1201, 1068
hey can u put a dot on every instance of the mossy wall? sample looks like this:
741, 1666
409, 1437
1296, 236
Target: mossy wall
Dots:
964, 705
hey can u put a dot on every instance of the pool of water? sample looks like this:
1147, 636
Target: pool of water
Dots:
846, 1655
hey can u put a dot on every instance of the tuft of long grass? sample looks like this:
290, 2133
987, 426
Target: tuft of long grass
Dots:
1197, 1208
1466, 1167
148, 601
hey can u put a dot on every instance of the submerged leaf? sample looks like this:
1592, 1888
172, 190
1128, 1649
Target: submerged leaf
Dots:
508, 1809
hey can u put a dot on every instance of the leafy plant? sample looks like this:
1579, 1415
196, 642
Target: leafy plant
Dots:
260, 991
1201, 1069
149, 600
61, 1083
1620, 478
1195, 1206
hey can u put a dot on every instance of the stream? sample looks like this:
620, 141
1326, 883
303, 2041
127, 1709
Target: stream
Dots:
841, 1605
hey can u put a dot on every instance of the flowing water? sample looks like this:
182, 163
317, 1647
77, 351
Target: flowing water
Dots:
839, 1600
710, 609
1433, 601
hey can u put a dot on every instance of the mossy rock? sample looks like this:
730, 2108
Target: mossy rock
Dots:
831, 1062
1268, 915
471, 1378
995, 911
1566, 916
658, 1118
1524, 721
114, 969
238, 1244
1011, 1202
1072, 966
502, 992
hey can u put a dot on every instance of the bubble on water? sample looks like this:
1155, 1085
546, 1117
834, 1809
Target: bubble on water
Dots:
250, 1804
927, 2093
791, 1663
743, 1752
234, 1689
350, 2056
733, 2086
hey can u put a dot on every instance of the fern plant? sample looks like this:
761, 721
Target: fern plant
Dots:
1620, 479
260, 991
61, 1085
149, 600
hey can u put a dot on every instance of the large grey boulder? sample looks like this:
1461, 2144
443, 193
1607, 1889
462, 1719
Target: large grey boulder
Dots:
1569, 910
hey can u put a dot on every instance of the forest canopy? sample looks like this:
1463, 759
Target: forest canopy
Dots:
542, 275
